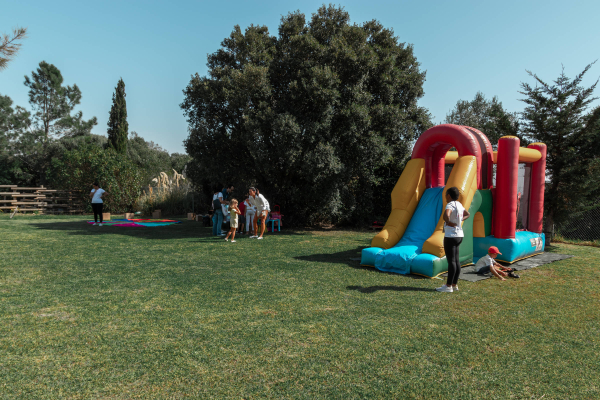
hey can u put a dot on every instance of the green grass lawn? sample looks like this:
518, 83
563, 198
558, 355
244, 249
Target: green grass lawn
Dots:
172, 312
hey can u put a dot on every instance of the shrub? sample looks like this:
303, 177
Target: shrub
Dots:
78, 168
173, 196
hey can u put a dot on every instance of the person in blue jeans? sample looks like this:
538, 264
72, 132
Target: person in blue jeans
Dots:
218, 215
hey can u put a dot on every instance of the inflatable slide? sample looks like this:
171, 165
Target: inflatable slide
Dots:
412, 239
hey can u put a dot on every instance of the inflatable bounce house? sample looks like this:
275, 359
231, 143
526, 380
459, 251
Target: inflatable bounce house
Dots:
412, 239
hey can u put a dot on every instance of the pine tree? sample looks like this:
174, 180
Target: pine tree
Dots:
9, 46
558, 114
53, 103
117, 122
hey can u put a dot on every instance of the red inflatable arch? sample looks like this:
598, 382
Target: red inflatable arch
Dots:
487, 158
433, 145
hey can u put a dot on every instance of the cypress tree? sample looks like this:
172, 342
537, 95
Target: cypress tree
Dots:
117, 122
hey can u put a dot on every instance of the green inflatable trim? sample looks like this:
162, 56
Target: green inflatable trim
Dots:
466, 247
487, 202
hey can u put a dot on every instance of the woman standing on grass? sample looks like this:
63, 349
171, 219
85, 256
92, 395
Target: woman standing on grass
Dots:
454, 215
262, 212
97, 203
250, 211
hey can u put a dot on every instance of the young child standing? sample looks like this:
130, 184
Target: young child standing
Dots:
242, 217
234, 211
488, 262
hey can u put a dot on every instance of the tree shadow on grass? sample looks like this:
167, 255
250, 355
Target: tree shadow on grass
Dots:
348, 257
550, 248
185, 230
373, 289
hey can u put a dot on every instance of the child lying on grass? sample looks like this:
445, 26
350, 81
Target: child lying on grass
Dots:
487, 263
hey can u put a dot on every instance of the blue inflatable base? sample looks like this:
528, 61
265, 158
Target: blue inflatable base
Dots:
368, 256
422, 264
523, 245
406, 254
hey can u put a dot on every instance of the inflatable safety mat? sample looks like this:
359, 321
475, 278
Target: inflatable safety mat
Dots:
138, 222
470, 273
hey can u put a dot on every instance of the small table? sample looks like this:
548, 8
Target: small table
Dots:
272, 221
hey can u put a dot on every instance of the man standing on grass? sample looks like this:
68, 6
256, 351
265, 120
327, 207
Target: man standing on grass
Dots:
262, 210
227, 192
218, 212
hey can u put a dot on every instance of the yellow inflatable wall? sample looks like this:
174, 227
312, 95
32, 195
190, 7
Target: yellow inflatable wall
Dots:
405, 198
464, 177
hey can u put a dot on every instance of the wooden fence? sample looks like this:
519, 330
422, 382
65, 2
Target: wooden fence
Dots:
40, 199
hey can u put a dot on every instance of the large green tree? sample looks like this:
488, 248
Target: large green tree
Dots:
153, 159
53, 103
14, 123
118, 128
320, 117
488, 116
558, 114
12, 120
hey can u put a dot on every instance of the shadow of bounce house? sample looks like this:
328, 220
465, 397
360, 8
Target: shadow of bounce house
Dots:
373, 289
412, 239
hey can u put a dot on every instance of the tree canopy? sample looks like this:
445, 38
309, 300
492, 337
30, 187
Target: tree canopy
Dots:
29, 158
558, 115
14, 124
320, 117
488, 116
153, 159
53, 103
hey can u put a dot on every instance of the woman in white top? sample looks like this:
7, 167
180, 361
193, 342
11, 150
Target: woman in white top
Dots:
97, 203
454, 215
263, 210
261, 205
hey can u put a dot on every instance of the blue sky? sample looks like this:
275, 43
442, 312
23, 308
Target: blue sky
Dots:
155, 46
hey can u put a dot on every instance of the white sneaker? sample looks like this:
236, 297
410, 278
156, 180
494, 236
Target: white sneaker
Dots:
99, 224
95, 223
253, 236
260, 238
455, 288
223, 234
233, 241
227, 240
445, 289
